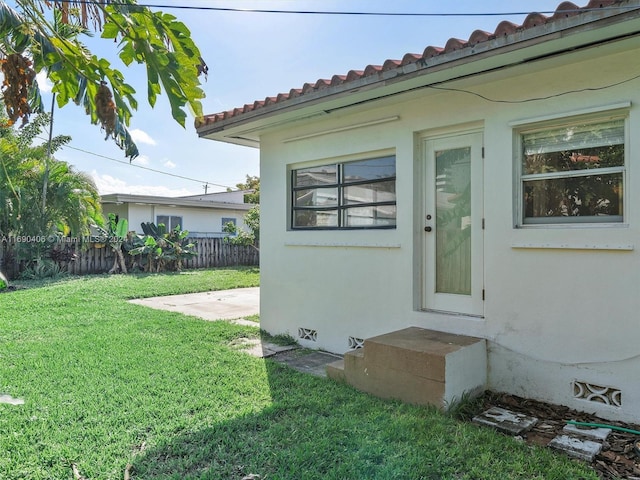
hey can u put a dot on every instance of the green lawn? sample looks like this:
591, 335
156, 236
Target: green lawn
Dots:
107, 383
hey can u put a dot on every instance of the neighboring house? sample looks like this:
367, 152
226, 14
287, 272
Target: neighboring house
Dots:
201, 215
489, 188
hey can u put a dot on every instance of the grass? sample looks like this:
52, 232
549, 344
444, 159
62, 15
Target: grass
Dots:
107, 383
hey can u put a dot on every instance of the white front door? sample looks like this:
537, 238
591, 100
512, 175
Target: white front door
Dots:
453, 224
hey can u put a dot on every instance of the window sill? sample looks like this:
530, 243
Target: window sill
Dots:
344, 244
573, 246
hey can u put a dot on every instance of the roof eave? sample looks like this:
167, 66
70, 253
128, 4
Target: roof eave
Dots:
555, 38
119, 198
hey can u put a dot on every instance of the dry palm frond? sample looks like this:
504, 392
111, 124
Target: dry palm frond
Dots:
85, 12
106, 108
18, 78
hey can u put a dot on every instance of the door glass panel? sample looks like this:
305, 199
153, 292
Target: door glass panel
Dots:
453, 221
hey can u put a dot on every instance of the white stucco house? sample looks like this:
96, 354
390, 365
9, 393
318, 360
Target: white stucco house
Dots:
489, 188
202, 215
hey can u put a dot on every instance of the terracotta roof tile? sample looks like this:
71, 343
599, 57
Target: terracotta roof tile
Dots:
371, 70
479, 36
390, 65
338, 79
322, 83
533, 20
564, 10
600, 3
505, 28
410, 58
432, 51
354, 75
454, 44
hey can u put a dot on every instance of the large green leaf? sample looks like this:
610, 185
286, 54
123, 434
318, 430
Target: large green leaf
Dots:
156, 39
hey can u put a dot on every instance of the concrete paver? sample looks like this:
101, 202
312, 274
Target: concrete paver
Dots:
595, 434
576, 447
233, 305
505, 420
305, 361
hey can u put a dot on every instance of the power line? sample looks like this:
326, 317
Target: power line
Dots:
377, 14
534, 99
147, 168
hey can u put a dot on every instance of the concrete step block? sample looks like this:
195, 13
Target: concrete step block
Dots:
576, 447
505, 420
354, 358
418, 351
335, 370
397, 385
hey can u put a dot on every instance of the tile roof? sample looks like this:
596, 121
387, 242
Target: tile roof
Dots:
564, 10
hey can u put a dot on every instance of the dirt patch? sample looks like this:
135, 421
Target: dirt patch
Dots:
617, 458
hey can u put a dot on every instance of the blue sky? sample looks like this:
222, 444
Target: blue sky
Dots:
252, 56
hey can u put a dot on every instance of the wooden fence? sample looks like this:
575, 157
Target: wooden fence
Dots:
83, 258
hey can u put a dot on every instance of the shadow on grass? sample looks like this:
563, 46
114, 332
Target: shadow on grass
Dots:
313, 429
318, 429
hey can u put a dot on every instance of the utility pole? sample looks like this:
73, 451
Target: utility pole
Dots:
47, 160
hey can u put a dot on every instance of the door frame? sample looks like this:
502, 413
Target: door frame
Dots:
430, 142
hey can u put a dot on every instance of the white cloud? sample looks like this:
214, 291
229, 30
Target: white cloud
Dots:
169, 164
43, 82
142, 160
107, 184
140, 136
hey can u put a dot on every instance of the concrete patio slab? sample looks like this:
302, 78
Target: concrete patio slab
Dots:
216, 305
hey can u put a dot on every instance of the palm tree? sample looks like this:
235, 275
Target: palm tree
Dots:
72, 204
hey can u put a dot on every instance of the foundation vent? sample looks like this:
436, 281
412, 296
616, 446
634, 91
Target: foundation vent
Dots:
307, 334
355, 342
597, 394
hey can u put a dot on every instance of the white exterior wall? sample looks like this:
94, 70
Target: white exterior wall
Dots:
551, 315
197, 220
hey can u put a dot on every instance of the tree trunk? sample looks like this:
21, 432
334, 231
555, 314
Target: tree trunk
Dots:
118, 261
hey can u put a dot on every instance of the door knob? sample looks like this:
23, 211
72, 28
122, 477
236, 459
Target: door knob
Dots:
427, 229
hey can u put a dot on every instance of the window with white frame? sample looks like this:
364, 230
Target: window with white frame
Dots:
573, 173
170, 221
349, 195
231, 220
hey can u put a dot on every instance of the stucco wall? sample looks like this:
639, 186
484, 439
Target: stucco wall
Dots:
552, 316
196, 220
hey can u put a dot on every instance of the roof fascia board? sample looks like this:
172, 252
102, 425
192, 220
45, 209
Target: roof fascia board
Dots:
172, 201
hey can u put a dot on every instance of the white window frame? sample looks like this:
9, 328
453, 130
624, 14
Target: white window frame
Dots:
170, 225
594, 116
226, 220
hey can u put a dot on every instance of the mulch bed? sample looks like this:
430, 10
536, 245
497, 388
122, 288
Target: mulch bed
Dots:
616, 460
